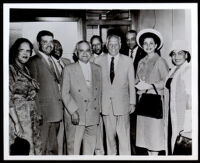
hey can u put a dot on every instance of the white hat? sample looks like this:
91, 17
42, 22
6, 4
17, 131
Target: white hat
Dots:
149, 33
179, 45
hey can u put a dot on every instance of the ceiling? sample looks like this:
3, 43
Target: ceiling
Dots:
17, 15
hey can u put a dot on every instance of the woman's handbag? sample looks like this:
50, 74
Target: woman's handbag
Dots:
150, 105
20, 147
183, 145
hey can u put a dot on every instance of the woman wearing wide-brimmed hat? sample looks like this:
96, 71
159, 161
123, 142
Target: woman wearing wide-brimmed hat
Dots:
177, 93
152, 69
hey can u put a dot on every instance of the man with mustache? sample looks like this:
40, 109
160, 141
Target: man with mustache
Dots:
81, 93
49, 97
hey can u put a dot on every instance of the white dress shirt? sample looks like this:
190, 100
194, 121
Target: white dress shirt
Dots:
86, 69
95, 55
134, 52
116, 59
58, 65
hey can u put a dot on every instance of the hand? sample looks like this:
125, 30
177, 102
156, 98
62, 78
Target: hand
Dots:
142, 85
18, 130
132, 108
32, 93
75, 118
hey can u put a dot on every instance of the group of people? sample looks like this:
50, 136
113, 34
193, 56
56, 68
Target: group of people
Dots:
88, 107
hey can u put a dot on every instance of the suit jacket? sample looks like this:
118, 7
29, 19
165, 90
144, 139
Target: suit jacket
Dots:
76, 95
50, 101
66, 61
139, 55
122, 90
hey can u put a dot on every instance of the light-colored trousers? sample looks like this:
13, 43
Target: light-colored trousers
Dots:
117, 125
99, 149
76, 134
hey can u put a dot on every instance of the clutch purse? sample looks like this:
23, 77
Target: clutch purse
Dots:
183, 145
150, 105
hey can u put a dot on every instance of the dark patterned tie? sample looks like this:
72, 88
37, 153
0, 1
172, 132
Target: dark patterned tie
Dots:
112, 72
131, 53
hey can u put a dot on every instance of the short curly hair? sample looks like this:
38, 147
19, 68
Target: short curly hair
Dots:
14, 48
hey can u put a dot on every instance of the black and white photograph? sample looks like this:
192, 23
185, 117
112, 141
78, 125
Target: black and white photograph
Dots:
100, 81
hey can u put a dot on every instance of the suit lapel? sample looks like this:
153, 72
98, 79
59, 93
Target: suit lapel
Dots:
107, 68
94, 78
46, 64
117, 71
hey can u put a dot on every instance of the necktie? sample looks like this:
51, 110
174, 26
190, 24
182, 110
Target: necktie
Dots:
52, 68
112, 72
60, 64
131, 53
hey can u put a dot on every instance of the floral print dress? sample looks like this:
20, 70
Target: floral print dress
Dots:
22, 89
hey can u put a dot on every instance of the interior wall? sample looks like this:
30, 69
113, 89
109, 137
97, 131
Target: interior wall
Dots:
172, 24
65, 32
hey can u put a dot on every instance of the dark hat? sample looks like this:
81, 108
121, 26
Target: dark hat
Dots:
20, 147
152, 33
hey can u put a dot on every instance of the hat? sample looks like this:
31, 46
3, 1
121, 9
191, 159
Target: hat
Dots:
149, 33
179, 45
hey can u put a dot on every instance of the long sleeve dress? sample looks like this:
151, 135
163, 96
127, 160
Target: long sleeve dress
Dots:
150, 131
22, 93
177, 112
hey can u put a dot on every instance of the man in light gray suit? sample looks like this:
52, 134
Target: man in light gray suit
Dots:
50, 101
118, 96
81, 94
59, 64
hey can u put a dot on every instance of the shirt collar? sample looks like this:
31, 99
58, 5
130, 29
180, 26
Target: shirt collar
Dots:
110, 56
44, 56
134, 49
84, 64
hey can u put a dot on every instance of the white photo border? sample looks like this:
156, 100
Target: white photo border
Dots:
194, 37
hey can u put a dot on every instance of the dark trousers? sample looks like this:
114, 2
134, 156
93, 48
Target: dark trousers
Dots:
49, 131
133, 117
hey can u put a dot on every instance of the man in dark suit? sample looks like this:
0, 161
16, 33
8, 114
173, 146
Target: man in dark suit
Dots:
60, 63
133, 50
50, 101
136, 53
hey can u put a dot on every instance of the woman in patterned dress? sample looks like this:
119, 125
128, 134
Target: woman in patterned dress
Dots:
25, 117
152, 69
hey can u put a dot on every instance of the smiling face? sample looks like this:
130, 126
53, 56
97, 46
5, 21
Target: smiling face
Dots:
131, 40
46, 44
57, 50
179, 57
149, 45
96, 46
84, 52
24, 53
113, 46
